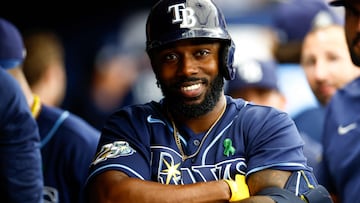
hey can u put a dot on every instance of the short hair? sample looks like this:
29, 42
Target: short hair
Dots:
43, 47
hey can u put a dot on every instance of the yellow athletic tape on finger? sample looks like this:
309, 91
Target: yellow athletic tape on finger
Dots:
239, 189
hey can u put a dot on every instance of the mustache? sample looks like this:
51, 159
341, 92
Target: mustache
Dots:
180, 82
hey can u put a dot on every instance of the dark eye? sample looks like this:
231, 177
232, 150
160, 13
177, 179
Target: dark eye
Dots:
203, 52
332, 57
307, 62
170, 57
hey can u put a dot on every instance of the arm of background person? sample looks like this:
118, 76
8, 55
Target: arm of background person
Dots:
21, 177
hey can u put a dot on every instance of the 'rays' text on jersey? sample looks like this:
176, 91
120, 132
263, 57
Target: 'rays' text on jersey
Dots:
172, 170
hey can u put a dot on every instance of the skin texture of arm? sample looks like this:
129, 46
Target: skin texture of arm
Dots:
116, 187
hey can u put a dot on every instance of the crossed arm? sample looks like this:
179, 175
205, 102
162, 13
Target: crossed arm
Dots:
116, 187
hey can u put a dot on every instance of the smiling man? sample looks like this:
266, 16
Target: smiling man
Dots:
197, 144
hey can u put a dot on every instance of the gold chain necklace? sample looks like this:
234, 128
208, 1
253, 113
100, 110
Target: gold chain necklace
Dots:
178, 141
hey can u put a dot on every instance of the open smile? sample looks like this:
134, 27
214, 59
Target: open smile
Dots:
192, 90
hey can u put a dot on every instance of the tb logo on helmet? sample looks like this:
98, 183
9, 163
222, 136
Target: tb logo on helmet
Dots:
184, 15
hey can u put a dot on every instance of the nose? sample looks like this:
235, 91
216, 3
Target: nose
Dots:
320, 70
188, 65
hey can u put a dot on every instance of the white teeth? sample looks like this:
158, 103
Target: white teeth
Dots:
192, 87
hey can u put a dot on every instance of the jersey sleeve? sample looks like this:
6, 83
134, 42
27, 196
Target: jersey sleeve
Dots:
272, 141
114, 153
20, 157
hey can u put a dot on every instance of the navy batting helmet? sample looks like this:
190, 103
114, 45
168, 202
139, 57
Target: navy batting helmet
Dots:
12, 49
173, 20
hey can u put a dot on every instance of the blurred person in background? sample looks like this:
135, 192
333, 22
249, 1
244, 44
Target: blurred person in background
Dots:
327, 62
341, 129
122, 73
44, 66
21, 178
68, 143
256, 81
328, 67
293, 20
133, 40
112, 78
256, 77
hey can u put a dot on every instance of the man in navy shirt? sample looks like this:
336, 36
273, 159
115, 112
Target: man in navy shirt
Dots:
342, 124
21, 178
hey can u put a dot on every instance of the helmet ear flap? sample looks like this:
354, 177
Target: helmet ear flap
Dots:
227, 60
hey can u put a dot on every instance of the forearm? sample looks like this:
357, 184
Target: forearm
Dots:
120, 189
256, 199
205, 192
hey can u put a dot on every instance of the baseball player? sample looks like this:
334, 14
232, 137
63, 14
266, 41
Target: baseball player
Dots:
341, 130
68, 143
196, 144
20, 158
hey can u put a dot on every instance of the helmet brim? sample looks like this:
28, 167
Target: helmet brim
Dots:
337, 3
202, 33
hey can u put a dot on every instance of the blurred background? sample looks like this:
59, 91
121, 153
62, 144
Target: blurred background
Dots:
104, 42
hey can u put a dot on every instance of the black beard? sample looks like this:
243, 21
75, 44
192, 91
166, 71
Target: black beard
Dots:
176, 106
354, 57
